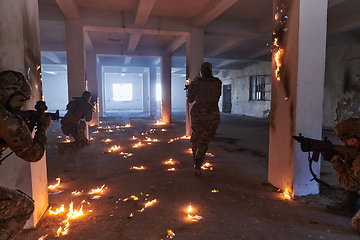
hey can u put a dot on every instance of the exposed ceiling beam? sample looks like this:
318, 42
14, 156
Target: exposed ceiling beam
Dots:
344, 24
109, 20
112, 50
69, 8
234, 29
133, 41
226, 46
211, 11
175, 43
88, 42
143, 11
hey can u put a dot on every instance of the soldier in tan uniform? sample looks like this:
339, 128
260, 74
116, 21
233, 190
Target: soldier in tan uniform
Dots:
15, 206
348, 174
205, 115
72, 123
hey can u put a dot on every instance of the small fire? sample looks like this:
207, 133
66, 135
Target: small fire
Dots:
97, 131
107, 140
189, 209
150, 203
137, 145
134, 138
214, 191
209, 154
109, 130
170, 162
278, 53
171, 169
97, 190
59, 136
206, 166
151, 140
126, 154
52, 187
57, 211
287, 194
135, 198
138, 168
170, 234
185, 137
195, 218
114, 148
160, 123
100, 127
43, 237
163, 130
73, 214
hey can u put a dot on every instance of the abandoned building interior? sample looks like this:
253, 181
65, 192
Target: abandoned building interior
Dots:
287, 67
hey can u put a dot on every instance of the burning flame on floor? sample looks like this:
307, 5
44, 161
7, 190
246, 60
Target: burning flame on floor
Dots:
52, 187
138, 168
114, 148
209, 154
126, 155
76, 192
185, 137
57, 211
170, 162
151, 140
107, 140
194, 218
177, 138
43, 237
160, 123
206, 166
214, 191
287, 194
170, 234
134, 138
97, 131
171, 169
137, 145
97, 190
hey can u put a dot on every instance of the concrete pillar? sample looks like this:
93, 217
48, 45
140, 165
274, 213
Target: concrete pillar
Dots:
153, 107
92, 85
296, 91
75, 49
166, 88
100, 99
194, 59
20, 51
146, 92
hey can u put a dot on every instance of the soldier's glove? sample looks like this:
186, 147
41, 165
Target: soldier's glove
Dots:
44, 120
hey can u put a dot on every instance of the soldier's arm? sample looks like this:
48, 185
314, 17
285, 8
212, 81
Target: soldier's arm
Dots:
191, 92
348, 176
22, 144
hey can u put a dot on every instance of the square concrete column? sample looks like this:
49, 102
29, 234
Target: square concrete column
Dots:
146, 92
92, 85
298, 68
153, 107
100, 99
166, 88
20, 51
75, 50
194, 59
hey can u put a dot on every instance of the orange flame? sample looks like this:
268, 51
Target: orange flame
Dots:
138, 168
287, 194
52, 187
170, 234
160, 123
279, 52
97, 190
57, 211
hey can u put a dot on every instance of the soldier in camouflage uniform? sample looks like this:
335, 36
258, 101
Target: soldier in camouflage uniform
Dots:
71, 124
205, 115
347, 174
15, 206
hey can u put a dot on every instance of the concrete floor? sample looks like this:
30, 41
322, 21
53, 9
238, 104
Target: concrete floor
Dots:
245, 206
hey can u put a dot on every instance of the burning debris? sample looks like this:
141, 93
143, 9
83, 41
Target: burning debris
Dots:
107, 140
285, 195
54, 187
77, 192
137, 145
193, 218
171, 169
150, 203
97, 190
43, 237
126, 155
177, 138
137, 168
114, 148
170, 234
207, 165
160, 123
170, 162
214, 191
209, 154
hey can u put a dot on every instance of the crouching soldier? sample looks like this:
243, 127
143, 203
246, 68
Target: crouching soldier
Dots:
15, 206
72, 123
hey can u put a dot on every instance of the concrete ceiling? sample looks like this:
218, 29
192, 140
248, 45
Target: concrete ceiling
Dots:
133, 33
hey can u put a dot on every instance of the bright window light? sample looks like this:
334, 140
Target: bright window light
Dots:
122, 92
158, 92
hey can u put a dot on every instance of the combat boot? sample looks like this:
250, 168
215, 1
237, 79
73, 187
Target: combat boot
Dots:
348, 207
197, 166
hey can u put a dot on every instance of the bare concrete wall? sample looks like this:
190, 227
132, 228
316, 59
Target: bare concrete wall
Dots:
240, 84
341, 88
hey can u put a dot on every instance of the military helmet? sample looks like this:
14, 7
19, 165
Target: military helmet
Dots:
349, 127
10, 79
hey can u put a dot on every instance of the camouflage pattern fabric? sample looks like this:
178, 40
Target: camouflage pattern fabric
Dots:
71, 124
15, 209
347, 175
205, 116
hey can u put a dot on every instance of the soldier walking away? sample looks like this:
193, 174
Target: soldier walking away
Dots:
348, 172
73, 124
205, 114
15, 206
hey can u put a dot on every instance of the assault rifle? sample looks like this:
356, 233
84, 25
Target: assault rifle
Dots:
327, 150
33, 117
